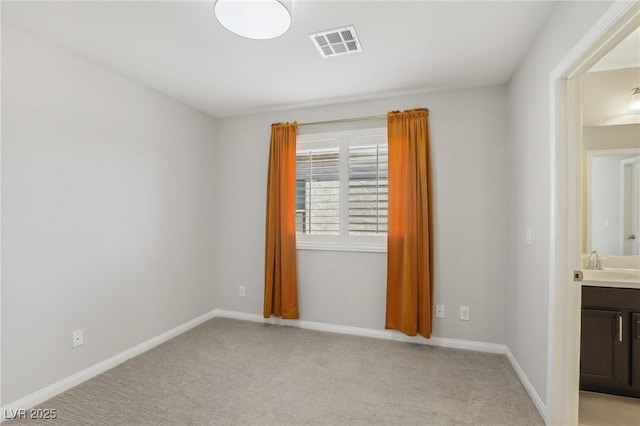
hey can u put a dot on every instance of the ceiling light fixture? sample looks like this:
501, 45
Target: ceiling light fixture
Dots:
255, 19
634, 103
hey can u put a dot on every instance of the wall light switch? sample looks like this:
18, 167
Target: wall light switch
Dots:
527, 235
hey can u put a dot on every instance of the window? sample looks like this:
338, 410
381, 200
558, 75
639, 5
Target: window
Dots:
342, 190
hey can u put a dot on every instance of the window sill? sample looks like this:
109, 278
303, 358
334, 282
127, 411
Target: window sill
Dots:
367, 248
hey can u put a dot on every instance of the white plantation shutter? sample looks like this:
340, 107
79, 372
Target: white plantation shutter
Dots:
318, 191
368, 189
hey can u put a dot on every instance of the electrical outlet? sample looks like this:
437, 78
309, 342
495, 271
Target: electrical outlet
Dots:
464, 313
439, 311
78, 338
241, 291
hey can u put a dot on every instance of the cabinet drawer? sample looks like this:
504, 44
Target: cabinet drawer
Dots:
609, 297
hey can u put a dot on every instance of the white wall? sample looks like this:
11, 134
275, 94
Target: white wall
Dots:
530, 159
468, 132
604, 97
106, 203
610, 137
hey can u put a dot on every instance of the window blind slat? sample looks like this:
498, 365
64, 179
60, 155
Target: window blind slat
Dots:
368, 189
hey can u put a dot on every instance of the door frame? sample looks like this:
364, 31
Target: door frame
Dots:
563, 353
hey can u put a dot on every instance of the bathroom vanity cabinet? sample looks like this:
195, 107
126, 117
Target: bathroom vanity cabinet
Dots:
610, 340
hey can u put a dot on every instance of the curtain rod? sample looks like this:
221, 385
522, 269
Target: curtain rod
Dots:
343, 120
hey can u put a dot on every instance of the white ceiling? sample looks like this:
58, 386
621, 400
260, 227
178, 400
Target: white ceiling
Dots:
177, 47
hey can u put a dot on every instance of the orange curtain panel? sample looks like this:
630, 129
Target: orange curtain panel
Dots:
280, 280
410, 236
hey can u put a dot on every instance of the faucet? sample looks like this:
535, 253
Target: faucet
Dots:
594, 260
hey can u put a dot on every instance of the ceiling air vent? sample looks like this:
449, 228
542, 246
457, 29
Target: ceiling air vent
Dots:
340, 41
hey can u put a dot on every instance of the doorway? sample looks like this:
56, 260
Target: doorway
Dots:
610, 150
568, 219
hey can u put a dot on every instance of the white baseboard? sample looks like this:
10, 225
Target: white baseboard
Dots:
50, 391
366, 332
537, 401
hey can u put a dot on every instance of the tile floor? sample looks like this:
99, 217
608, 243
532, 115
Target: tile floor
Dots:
599, 409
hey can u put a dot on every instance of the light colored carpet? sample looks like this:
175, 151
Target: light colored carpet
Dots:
228, 372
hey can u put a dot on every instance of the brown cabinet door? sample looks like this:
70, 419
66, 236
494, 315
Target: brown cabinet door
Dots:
601, 349
635, 350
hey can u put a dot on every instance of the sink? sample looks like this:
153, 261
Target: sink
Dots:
615, 270
620, 262
621, 275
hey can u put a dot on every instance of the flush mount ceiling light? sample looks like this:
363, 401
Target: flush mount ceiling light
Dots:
634, 103
255, 19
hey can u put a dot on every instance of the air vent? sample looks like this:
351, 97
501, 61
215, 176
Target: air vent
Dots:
340, 41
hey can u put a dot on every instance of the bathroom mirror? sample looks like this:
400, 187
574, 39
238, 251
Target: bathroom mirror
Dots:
613, 201
611, 151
